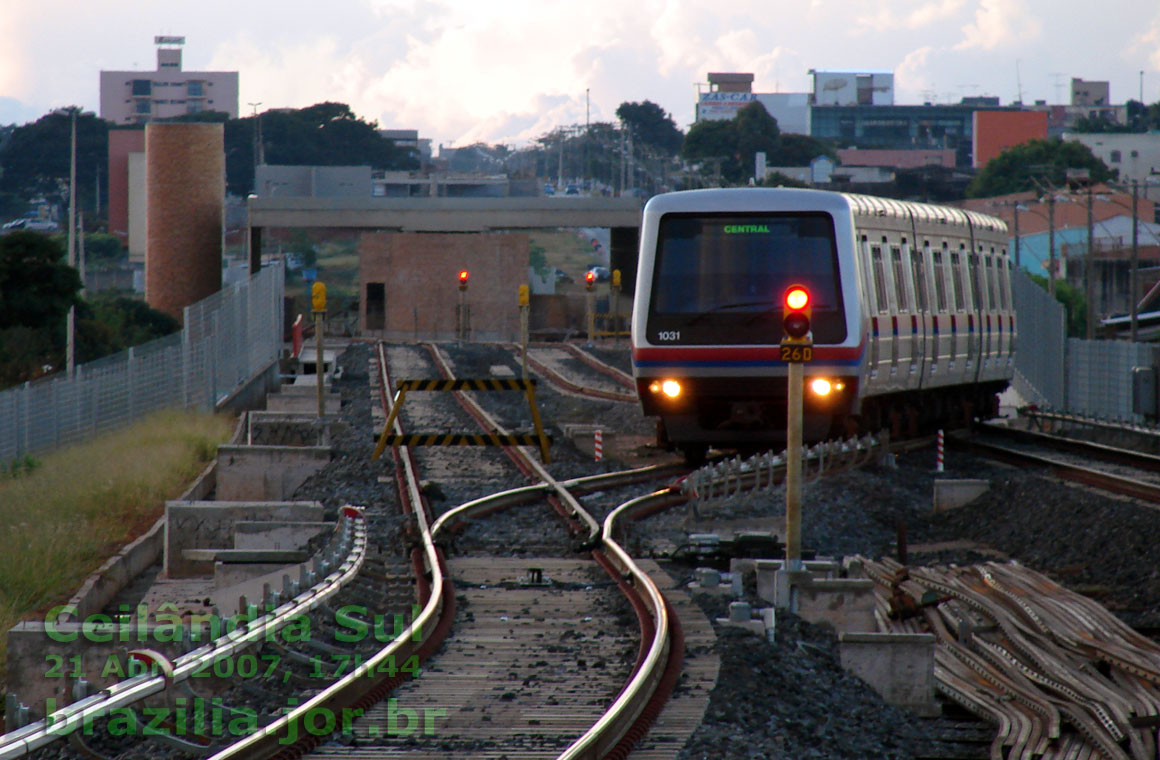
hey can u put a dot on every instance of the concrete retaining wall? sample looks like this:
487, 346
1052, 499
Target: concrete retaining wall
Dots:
210, 525
266, 473
899, 666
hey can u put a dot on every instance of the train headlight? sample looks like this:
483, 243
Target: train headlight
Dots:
823, 386
670, 388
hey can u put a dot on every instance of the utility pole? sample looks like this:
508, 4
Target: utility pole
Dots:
1089, 271
1016, 235
1051, 242
257, 141
70, 359
1133, 272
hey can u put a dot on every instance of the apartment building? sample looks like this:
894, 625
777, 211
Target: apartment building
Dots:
136, 97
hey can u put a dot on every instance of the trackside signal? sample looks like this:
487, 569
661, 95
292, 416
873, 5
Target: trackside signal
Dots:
796, 321
590, 280
463, 276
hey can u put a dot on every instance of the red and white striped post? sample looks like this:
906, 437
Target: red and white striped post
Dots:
598, 444
939, 456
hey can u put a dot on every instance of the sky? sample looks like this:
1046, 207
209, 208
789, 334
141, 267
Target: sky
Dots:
507, 71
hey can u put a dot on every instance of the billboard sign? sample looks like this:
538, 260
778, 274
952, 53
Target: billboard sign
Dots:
722, 105
160, 40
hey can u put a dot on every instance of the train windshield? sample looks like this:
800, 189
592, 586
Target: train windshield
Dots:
720, 278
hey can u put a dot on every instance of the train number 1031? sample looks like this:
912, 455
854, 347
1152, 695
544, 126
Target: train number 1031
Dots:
669, 335
797, 353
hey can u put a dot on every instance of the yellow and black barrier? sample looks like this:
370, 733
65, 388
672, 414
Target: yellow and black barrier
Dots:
528, 386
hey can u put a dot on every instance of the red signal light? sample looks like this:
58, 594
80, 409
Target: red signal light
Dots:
463, 275
796, 320
590, 279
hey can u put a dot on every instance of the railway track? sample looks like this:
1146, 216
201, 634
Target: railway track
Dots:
1112, 469
519, 676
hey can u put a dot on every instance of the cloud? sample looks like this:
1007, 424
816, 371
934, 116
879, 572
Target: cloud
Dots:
999, 23
888, 19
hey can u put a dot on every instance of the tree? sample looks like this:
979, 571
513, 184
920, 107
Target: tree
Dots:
35, 160
735, 142
799, 150
1017, 169
651, 125
37, 287
757, 131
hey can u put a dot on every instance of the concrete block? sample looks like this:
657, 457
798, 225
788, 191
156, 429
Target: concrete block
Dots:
951, 494
899, 666
302, 403
266, 473
739, 612
210, 525
769, 622
707, 576
845, 604
227, 575
277, 534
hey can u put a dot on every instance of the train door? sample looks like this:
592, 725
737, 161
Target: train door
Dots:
962, 317
975, 308
924, 349
904, 326
943, 361
882, 355
1008, 315
991, 326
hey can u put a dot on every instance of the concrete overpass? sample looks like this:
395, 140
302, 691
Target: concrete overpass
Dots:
620, 215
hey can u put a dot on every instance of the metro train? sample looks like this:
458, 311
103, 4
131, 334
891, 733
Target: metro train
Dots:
912, 321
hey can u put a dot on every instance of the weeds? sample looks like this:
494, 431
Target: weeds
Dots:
62, 516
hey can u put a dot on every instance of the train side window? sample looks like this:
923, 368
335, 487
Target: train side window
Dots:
899, 279
940, 282
975, 294
992, 290
1005, 284
878, 271
957, 280
918, 271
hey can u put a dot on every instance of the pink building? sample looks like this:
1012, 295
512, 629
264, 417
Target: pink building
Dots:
136, 97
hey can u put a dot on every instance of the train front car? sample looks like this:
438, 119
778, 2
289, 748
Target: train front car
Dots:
707, 318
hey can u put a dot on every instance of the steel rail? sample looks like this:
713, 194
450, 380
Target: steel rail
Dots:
1100, 451
619, 376
619, 718
130, 691
271, 739
571, 386
1075, 473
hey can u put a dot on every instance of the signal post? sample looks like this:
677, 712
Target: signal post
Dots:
590, 305
523, 299
797, 347
318, 304
461, 310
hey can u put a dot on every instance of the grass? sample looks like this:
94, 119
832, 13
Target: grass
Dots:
61, 519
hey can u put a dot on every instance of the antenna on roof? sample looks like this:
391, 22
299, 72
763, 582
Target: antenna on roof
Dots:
1018, 84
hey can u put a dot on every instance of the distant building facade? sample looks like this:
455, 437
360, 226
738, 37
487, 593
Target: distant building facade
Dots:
1135, 156
995, 131
137, 97
728, 93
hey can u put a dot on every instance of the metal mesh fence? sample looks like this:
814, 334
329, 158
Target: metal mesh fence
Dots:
228, 338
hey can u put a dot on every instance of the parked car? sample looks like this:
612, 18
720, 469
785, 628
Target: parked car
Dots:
602, 274
548, 189
28, 223
572, 190
562, 276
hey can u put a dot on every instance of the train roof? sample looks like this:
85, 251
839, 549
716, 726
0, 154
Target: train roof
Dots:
760, 198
